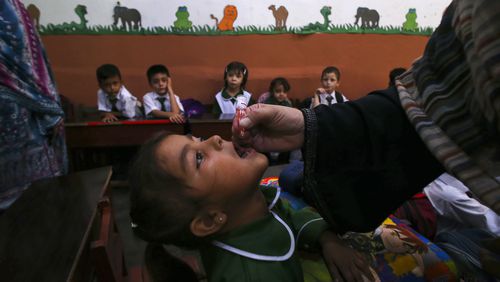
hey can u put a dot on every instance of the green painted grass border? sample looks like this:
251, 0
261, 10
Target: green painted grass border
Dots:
67, 29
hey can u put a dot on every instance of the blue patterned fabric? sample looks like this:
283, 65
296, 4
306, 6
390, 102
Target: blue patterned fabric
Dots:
31, 130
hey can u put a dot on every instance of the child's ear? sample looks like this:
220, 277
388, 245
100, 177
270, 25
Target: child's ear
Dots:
208, 223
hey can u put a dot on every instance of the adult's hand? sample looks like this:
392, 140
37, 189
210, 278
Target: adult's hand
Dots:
269, 128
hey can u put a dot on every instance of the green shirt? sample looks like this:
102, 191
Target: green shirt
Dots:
265, 249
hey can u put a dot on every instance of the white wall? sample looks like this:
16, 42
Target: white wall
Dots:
301, 12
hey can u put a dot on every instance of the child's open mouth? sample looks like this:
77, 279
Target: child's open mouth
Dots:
243, 152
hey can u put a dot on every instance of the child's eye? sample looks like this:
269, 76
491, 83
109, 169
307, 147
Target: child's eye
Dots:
199, 159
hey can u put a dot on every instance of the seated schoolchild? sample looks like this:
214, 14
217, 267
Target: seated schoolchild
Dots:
327, 94
235, 79
278, 93
114, 101
162, 101
203, 195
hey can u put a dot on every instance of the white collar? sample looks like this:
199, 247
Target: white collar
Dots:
243, 253
255, 256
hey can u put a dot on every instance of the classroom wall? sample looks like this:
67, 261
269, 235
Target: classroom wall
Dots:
197, 63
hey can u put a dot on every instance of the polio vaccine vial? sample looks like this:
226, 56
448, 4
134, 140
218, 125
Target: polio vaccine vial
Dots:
241, 105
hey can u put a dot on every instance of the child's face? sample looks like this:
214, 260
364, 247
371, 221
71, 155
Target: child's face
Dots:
330, 82
159, 82
234, 79
214, 170
111, 85
279, 93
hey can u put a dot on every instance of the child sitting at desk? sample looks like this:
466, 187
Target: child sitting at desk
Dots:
235, 79
327, 94
114, 101
162, 102
278, 93
203, 194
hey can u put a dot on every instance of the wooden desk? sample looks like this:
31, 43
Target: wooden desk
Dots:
134, 133
44, 235
95, 144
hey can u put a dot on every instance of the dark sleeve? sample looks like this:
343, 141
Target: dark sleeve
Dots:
306, 103
363, 159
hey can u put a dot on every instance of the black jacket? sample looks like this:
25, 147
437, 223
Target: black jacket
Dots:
363, 159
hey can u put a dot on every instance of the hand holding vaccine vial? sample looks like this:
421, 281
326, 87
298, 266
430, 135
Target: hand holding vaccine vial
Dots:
241, 105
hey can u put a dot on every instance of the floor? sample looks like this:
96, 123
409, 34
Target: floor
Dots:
134, 247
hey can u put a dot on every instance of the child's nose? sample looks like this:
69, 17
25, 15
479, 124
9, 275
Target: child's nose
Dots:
216, 141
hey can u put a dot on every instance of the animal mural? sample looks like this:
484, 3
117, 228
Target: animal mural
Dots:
411, 20
81, 11
34, 13
326, 11
369, 18
130, 18
182, 22
227, 22
280, 16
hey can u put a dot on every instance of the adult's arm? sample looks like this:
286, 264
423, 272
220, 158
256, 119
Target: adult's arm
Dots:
362, 160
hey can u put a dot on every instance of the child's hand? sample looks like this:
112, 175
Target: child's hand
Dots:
315, 101
178, 118
320, 91
343, 262
169, 85
109, 117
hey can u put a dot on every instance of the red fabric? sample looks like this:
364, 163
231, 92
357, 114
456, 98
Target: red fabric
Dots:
419, 212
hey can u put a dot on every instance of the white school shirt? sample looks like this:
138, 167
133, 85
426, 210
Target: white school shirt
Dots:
322, 99
126, 103
226, 105
151, 103
455, 210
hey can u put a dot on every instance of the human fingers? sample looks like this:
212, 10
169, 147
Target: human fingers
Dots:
174, 119
363, 266
334, 272
355, 274
181, 119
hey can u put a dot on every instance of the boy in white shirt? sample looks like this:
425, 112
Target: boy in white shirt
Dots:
327, 94
162, 102
114, 101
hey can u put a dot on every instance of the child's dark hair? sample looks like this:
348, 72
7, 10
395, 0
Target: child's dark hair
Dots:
395, 73
236, 67
279, 81
331, 69
159, 209
106, 71
154, 69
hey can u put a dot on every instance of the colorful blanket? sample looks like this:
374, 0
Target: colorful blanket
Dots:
396, 252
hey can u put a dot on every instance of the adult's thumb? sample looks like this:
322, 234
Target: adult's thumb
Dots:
256, 114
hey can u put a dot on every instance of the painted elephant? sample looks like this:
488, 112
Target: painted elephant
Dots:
129, 17
369, 18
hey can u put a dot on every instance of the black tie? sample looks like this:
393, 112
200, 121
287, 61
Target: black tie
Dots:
329, 99
113, 101
162, 102
233, 100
